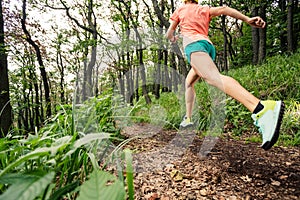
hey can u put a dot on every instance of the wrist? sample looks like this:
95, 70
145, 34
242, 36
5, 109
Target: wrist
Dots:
246, 19
173, 39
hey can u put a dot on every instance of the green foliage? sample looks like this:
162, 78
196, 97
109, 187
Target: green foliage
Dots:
25, 186
237, 117
203, 103
278, 78
129, 173
101, 185
290, 126
165, 111
55, 162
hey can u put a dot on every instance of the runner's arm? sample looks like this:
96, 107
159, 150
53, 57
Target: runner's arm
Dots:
224, 10
171, 30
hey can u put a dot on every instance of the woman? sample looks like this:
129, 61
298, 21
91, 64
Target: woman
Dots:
194, 20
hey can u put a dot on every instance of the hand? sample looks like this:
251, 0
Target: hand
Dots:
174, 39
256, 22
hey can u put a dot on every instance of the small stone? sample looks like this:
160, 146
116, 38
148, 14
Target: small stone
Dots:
203, 192
232, 198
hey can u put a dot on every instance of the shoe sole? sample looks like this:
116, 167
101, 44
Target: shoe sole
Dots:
267, 145
187, 126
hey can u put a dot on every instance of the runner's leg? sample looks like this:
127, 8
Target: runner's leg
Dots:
204, 66
190, 93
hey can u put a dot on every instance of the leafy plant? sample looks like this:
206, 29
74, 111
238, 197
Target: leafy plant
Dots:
55, 162
291, 127
101, 185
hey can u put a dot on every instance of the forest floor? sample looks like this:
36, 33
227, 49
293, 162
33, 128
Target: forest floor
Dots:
168, 166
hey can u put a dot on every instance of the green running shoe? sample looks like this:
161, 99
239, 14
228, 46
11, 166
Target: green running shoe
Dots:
269, 120
186, 122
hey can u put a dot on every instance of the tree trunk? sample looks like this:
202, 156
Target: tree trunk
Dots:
137, 96
158, 74
61, 69
255, 39
296, 25
283, 38
174, 72
36, 103
262, 36
167, 87
143, 76
40, 60
290, 28
225, 44
121, 84
5, 107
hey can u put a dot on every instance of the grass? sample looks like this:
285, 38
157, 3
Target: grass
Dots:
278, 79
66, 159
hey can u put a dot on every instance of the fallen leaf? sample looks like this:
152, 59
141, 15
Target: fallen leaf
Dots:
176, 175
152, 196
283, 177
246, 178
203, 192
288, 163
275, 183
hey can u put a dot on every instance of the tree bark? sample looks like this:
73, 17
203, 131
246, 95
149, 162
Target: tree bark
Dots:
283, 38
255, 39
40, 60
262, 35
290, 26
5, 107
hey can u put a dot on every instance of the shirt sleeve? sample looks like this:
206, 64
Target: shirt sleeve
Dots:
175, 16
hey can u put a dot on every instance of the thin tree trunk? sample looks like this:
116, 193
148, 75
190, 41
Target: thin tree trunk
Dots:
168, 84
290, 26
225, 44
283, 38
35, 96
5, 106
61, 69
255, 39
137, 96
174, 72
40, 61
158, 74
262, 36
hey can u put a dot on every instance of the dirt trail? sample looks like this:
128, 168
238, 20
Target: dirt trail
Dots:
232, 170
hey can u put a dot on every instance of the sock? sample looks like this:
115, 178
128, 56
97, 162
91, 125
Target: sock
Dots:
258, 108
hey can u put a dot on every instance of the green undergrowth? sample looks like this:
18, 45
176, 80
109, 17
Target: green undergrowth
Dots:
68, 157
277, 79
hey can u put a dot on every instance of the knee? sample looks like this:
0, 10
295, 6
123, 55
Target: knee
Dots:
188, 84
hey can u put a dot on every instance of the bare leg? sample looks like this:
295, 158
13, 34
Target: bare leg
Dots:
190, 94
204, 66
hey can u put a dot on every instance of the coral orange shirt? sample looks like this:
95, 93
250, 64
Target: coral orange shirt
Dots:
194, 21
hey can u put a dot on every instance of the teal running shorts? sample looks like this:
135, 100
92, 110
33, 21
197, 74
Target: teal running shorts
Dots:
200, 45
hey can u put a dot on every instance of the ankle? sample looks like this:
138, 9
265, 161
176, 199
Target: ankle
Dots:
258, 108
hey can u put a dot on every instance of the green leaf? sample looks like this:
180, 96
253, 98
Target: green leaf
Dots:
129, 174
102, 186
91, 137
58, 194
26, 187
32, 155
